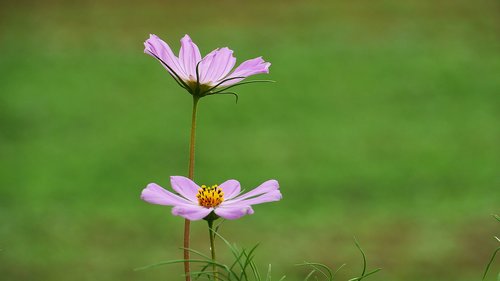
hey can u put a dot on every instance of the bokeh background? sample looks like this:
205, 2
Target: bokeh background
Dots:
383, 124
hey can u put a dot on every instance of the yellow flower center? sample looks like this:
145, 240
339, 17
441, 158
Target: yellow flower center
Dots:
210, 196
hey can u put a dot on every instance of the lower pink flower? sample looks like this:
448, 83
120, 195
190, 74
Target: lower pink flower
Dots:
195, 202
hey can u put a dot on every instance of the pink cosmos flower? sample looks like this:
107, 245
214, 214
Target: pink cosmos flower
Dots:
203, 76
195, 202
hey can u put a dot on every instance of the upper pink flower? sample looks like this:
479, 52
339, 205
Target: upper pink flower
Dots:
225, 200
203, 76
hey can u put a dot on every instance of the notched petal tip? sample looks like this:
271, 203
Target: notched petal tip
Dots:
276, 195
266, 67
226, 49
272, 182
186, 37
152, 37
149, 44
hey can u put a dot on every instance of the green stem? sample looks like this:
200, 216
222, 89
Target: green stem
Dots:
211, 233
187, 223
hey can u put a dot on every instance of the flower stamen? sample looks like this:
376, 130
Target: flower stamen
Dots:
210, 196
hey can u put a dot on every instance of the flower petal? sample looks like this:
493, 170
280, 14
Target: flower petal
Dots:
265, 187
154, 46
155, 194
231, 189
248, 68
271, 196
233, 212
205, 66
185, 187
216, 65
189, 56
191, 212
222, 63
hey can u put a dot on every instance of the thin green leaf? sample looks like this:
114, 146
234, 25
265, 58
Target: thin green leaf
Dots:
201, 272
363, 255
366, 275
219, 225
338, 269
497, 217
227, 93
241, 83
268, 276
234, 249
238, 262
249, 263
315, 265
255, 271
309, 275
181, 261
363, 273
208, 274
249, 259
490, 262
224, 81
196, 252
198, 77
252, 265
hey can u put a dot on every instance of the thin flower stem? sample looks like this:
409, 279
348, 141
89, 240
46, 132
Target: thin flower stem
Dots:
193, 138
211, 233
187, 223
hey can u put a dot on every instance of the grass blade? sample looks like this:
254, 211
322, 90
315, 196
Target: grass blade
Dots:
489, 263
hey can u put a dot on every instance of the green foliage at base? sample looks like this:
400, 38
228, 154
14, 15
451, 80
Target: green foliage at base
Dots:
244, 268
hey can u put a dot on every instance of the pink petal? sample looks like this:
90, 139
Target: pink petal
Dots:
223, 62
155, 194
248, 68
185, 187
205, 66
216, 65
231, 188
233, 212
265, 187
271, 196
155, 46
189, 56
191, 212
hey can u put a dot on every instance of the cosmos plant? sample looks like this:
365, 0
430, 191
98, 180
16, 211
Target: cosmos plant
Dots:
213, 74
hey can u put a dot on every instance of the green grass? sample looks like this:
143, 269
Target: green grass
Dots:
383, 124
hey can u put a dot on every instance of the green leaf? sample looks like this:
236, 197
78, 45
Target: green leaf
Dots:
490, 262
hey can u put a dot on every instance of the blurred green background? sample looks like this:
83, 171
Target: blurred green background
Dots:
383, 124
